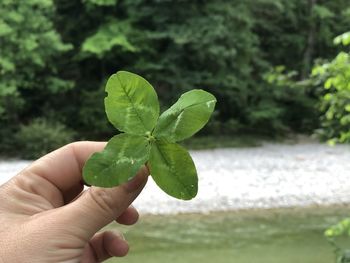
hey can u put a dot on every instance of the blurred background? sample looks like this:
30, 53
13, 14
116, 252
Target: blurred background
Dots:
280, 70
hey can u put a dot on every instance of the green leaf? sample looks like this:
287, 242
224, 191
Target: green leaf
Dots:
132, 103
328, 83
102, 2
108, 36
132, 106
187, 116
343, 39
173, 170
118, 162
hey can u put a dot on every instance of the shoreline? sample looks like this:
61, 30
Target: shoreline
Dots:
264, 212
271, 176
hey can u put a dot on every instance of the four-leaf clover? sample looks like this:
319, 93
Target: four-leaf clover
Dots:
132, 107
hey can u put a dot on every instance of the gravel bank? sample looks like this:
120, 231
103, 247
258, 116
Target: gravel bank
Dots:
274, 175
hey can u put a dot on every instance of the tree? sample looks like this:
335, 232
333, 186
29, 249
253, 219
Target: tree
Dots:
334, 76
30, 47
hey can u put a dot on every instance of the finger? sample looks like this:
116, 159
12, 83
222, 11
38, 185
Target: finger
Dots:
97, 207
128, 217
63, 167
105, 245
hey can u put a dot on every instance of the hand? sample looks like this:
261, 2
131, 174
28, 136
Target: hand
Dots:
45, 216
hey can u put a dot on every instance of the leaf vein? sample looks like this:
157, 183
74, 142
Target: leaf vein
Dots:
132, 103
172, 170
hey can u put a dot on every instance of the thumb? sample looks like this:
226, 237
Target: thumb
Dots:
98, 207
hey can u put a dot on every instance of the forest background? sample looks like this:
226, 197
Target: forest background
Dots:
277, 67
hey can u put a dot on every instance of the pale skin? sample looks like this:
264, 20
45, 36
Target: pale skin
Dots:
45, 216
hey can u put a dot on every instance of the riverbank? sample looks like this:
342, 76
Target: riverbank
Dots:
269, 176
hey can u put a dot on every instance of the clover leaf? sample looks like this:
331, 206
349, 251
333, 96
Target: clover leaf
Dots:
132, 107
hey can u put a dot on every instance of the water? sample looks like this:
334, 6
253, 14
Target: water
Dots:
263, 236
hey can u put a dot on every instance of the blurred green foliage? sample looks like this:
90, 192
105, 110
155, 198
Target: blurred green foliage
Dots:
336, 232
31, 80
295, 101
335, 100
55, 56
44, 136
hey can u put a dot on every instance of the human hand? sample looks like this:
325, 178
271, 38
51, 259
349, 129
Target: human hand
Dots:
45, 218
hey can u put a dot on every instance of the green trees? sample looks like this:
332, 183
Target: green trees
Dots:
198, 44
30, 79
334, 76
225, 47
